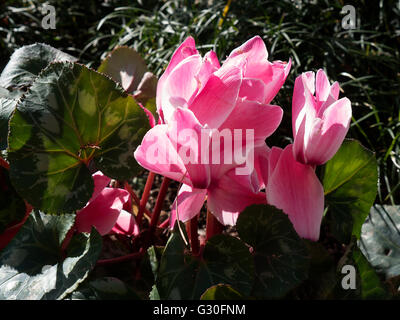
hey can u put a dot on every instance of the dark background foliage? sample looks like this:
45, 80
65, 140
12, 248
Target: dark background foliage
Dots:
365, 61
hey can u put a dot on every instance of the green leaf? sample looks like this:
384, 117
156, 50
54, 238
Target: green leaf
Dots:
221, 292
226, 260
8, 102
380, 239
350, 184
322, 277
155, 253
27, 62
154, 295
280, 256
368, 283
31, 266
147, 88
176, 273
12, 206
107, 288
70, 117
125, 66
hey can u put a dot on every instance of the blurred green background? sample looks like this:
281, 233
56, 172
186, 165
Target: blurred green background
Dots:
366, 60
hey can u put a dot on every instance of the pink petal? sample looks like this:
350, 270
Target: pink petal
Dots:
294, 188
299, 143
180, 85
186, 49
209, 66
189, 201
231, 195
262, 118
103, 212
218, 97
212, 58
322, 86
335, 88
275, 78
252, 59
126, 224
303, 101
158, 154
185, 132
327, 135
261, 156
253, 89
251, 51
100, 182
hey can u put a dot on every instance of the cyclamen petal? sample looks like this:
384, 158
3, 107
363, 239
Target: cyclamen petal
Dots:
231, 195
188, 204
102, 212
218, 98
126, 224
186, 49
295, 188
262, 118
320, 123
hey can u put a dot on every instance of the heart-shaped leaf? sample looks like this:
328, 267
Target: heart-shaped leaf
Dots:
32, 267
226, 260
27, 62
107, 288
350, 184
176, 272
280, 256
322, 277
72, 116
380, 239
125, 66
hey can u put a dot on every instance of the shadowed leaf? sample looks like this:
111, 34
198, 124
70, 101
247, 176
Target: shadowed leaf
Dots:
31, 266
70, 117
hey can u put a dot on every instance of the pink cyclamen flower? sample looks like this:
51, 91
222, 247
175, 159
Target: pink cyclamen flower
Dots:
196, 94
319, 122
178, 156
193, 82
294, 188
105, 211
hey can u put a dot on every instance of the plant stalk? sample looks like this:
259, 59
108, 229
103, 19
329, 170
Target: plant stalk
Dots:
213, 226
145, 196
192, 231
159, 203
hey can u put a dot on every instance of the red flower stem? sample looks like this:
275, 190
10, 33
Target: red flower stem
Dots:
191, 229
131, 256
145, 196
159, 203
4, 164
213, 226
164, 224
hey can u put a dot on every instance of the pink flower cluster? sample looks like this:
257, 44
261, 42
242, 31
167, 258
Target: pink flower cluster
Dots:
197, 96
197, 93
